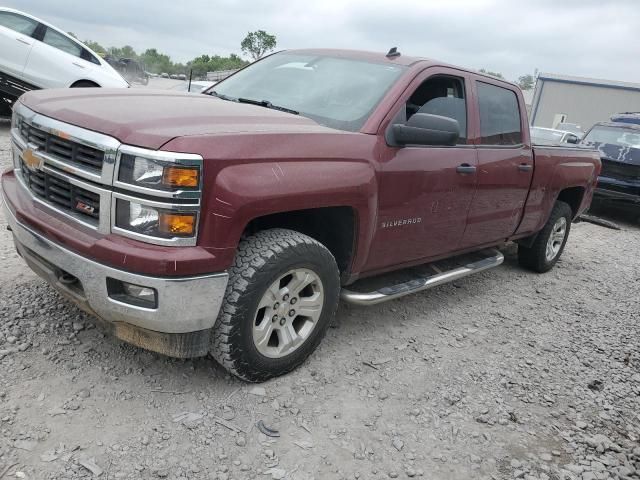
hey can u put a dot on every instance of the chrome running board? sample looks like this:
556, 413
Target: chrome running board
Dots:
423, 282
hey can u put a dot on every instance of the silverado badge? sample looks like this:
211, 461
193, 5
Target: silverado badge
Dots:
32, 161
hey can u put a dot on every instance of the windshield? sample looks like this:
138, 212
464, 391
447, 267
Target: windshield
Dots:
336, 92
620, 136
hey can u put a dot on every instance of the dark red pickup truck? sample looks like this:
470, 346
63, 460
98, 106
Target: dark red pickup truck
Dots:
232, 222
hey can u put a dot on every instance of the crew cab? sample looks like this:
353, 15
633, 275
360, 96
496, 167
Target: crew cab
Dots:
232, 222
34, 55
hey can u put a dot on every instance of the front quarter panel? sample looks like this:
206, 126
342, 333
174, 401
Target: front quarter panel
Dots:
250, 176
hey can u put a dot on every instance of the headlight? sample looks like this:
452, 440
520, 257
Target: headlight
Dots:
155, 221
158, 174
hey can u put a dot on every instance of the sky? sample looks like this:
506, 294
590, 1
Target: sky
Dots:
593, 38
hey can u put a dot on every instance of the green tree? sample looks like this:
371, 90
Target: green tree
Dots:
126, 52
526, 82
493, 74
257, 43
156, 62
95, 46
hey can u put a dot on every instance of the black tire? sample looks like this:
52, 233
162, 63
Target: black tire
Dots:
535, 257
85, 84
261, 259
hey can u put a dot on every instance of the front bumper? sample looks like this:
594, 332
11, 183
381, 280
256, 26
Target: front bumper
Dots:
615, 190
186, 307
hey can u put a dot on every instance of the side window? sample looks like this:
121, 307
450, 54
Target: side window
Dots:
59, 41
18, 23
85, 55
442, 96
499, 116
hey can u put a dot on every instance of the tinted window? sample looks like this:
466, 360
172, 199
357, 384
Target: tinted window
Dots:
88, 57
499, 116
59, 41
443, 96
18, 23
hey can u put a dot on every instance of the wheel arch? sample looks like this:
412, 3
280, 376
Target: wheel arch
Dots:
572, 196
334, 227
78, 83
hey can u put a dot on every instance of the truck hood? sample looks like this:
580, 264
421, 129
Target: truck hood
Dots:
618, 153
150, 118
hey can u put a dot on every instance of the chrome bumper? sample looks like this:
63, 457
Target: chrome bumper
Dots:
184, 305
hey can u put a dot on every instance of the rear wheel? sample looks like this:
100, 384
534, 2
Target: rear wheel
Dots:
550, 241
282, 295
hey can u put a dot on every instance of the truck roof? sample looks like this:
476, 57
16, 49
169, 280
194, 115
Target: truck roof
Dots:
380, 57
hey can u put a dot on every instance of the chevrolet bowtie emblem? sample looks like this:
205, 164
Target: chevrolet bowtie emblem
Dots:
31, 160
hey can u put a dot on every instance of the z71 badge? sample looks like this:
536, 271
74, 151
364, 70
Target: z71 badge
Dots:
400, 222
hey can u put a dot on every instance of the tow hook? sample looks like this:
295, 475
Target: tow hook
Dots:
67, 279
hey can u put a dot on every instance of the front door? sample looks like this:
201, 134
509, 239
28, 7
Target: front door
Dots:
425, 191
505, 167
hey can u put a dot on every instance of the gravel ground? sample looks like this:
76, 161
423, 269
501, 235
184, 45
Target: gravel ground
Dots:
506, 374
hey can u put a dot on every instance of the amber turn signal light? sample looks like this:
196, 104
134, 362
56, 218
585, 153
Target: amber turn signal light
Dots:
177, 223
180, 177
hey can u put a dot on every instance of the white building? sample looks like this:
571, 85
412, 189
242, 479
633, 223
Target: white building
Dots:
584, 101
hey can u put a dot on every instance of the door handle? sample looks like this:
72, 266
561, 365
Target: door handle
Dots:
525, 167
465, 168
78, 65
23, 41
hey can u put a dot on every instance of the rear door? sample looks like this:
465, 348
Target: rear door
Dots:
15, 42
56, 61
505, 165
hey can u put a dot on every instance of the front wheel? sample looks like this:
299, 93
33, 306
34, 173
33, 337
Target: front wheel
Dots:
549, 244
282, 295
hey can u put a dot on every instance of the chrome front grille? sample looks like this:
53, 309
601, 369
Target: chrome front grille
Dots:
62, 193
62, 149
73, 171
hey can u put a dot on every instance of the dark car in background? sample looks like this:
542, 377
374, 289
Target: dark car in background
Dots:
619, 145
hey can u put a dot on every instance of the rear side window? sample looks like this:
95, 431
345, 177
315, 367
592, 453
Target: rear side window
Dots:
88, 57
59, 41
499, 116
18, 23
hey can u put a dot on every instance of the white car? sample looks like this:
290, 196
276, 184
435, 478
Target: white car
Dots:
34, 54
197, 86
551, 136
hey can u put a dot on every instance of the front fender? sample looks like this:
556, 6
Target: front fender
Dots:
245, 192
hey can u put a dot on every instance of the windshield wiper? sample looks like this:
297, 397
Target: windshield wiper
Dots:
267, 104
223, 97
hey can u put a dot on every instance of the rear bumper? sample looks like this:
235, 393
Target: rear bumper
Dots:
179, 325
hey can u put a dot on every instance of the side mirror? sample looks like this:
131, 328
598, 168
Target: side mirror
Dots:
427, 129
573, 139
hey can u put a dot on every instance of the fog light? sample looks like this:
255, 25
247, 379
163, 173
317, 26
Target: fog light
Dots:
144, 293
137, 295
